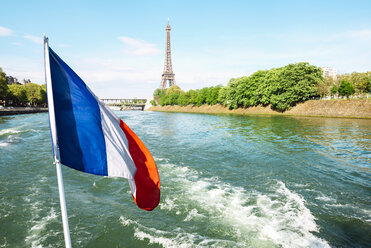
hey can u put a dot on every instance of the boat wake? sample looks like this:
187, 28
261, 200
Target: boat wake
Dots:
238, 217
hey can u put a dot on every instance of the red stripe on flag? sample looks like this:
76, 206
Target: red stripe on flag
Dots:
146, 178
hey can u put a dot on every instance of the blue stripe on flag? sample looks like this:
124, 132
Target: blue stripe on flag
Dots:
79, 130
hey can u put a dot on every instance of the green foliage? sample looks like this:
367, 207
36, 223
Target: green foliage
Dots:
282, 88
174, 90
21, 94
201, 96
172, 94
223, 96
360, 81
3, 84
184, 99
34, 94
159, 95
153, 102
346, 88
297, 83
43, 98
176, 96
18, 93
159, 92
324, 87
212, 95
333, 90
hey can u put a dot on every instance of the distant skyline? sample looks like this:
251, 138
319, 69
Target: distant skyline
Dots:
117, 47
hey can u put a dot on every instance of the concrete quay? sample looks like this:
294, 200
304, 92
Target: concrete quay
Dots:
19, 111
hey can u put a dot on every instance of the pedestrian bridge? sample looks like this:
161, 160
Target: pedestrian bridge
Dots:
126, 103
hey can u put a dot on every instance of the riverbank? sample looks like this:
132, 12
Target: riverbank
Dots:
19, 111
352, 108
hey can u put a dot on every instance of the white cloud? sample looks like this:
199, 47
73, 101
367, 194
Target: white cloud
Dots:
17, 43
363, 35
138, 47
5, 31
24, 68
36, 39
108, 70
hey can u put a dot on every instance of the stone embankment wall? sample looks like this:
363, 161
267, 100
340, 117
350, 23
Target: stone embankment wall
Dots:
353, 108
18, 111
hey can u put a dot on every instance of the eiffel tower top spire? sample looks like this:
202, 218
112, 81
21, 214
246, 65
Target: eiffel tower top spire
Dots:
168, 75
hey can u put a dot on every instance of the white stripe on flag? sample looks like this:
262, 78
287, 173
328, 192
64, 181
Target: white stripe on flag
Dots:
119, 161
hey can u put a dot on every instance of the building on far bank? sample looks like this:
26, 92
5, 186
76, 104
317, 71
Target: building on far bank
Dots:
25, 81
329, 72
12, 80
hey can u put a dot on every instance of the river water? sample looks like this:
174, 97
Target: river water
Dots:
226, 181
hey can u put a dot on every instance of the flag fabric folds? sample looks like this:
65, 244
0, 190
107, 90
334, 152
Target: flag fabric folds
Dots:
92, 139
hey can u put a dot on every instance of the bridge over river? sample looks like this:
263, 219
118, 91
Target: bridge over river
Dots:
126, 103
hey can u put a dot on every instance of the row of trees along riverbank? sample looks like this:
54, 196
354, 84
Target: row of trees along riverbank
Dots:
21, 95
281, 88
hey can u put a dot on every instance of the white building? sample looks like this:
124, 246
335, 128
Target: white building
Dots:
25, 81
329, 72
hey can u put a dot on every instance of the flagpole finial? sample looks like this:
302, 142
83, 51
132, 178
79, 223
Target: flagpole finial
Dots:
45, 39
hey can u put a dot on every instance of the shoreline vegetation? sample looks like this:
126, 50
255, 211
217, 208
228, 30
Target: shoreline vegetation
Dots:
295, 89
24, 94
351, 108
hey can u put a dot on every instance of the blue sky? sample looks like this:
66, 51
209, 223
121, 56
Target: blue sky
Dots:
117, 47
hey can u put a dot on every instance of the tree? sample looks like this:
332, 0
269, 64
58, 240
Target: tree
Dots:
158, 95
192, 96
43, 95
201, 96
33, 92
324, 87
18, 92
223, 95
361, 82
346, 88
183, 99
159, 92
333, 90
175, 89
172, 95
4, 89
296, 83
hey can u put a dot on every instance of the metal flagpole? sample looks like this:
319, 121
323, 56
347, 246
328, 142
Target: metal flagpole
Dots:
53, 130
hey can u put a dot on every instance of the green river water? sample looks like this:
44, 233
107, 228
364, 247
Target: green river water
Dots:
226, 181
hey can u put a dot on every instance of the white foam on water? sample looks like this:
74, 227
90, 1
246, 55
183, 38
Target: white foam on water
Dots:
5, 244
165, 242
325, 199
127, 222
44, 221
9, 131
255, 218
175, 238
39, 218
361, 213
34, 234
4, 144
193, 214
167, 204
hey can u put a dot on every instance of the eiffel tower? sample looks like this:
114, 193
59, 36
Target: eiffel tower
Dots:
168, 75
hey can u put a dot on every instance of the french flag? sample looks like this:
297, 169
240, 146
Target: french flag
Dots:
89, 137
